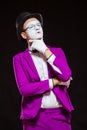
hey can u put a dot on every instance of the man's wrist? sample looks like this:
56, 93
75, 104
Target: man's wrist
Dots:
47, 53
56, 81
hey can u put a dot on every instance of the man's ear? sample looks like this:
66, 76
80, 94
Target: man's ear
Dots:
23, 34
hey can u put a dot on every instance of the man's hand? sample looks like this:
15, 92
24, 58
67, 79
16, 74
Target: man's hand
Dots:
39, 45
56, 81
67, 83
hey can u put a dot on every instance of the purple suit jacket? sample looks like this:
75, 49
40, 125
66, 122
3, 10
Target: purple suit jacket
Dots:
30, 86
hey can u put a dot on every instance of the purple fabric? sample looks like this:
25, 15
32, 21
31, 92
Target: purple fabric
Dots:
49, 119
32, 89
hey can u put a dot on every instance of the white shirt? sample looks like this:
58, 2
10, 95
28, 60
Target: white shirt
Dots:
49, 99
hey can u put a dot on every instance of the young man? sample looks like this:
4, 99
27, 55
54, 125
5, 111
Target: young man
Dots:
42, 75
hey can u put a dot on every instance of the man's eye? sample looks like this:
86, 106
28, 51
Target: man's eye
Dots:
31, 27
38, 24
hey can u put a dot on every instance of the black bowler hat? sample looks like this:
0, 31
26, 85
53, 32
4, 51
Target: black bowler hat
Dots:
23, 17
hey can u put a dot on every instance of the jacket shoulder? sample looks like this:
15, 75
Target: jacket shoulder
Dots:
19, 54
55, 49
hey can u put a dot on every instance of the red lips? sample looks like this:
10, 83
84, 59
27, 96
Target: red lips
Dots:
38, 32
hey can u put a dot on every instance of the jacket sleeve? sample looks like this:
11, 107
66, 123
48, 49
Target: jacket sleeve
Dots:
60, 65
25, 87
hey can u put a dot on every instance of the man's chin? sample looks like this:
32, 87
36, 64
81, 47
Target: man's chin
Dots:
38, 38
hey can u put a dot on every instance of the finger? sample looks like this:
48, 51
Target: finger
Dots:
71, 78
31, 40
35, 40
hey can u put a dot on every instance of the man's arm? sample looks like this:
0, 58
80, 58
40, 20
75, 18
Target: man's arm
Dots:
59, 64
27, 88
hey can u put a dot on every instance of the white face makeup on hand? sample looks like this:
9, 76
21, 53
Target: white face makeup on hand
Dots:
34, 30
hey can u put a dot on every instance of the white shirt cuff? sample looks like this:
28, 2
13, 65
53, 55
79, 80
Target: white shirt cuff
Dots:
51, 83
51, 60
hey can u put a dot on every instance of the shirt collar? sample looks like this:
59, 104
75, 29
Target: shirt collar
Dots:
31, 50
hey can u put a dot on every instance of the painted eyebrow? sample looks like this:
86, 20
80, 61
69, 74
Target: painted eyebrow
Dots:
33, 23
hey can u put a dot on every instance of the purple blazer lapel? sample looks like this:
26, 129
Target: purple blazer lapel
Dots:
30, 62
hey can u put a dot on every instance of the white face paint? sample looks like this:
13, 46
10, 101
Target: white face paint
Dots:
34, 30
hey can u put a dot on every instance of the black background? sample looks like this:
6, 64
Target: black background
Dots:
65, 25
